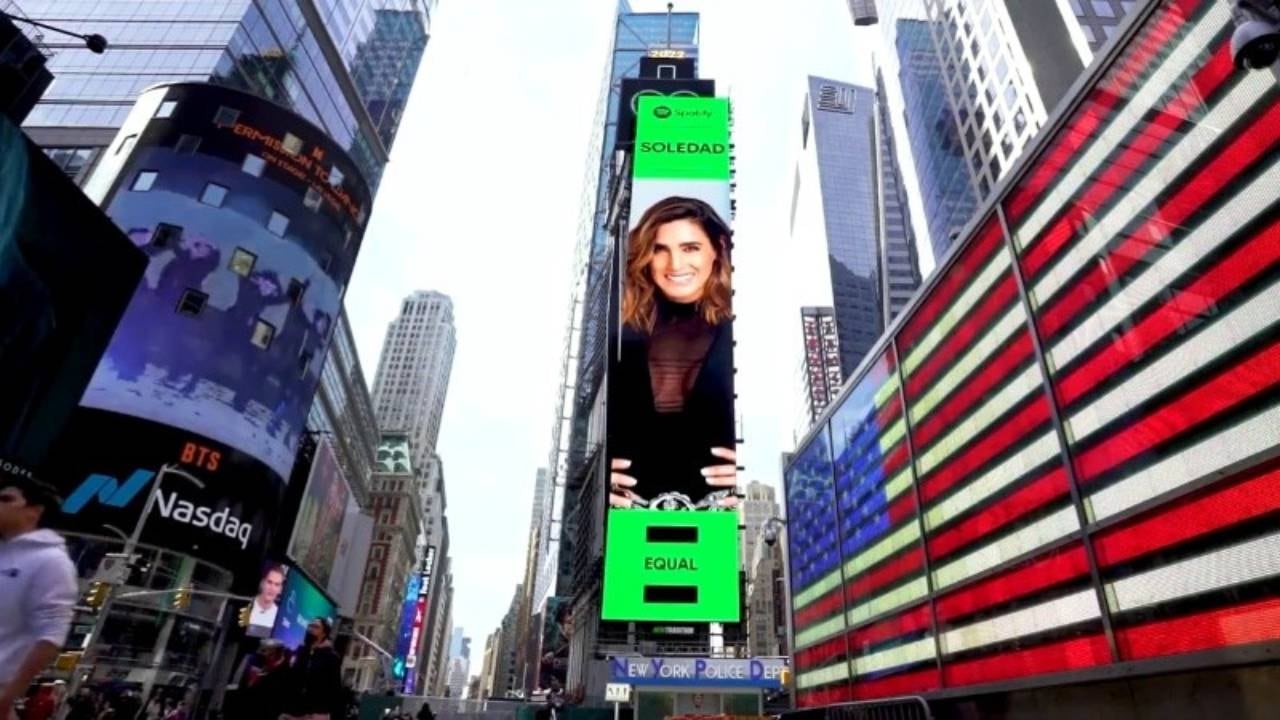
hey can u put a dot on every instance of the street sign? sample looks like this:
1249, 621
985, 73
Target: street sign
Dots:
617, 693
114, 569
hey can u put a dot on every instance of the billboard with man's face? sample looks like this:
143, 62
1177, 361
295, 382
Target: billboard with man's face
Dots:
671, 538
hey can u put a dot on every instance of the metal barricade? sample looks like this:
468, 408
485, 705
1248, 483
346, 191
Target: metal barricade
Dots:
910, 707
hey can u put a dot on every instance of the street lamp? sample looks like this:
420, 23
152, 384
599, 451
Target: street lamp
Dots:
771, 529
95, 42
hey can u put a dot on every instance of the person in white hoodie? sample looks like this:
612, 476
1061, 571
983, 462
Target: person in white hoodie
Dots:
38, 588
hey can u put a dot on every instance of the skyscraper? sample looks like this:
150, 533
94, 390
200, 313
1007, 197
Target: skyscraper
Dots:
413, 371
346, 70
1099, 19
848, 217
759, 503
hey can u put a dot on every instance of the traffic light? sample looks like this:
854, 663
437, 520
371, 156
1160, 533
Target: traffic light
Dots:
246, 612
97, 595
182, 598
397, 668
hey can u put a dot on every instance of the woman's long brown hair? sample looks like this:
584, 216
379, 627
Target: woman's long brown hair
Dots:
639, 292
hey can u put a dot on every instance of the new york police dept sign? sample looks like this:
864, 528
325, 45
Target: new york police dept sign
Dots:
701, 672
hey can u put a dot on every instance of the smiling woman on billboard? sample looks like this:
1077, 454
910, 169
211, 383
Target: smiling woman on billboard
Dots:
674, 448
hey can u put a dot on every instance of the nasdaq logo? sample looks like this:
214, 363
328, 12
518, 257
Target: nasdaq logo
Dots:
108, 490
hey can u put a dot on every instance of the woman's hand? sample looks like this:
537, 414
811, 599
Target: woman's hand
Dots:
620, 494
723, 476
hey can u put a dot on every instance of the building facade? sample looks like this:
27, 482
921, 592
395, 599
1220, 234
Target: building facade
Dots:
397, 508
412, 381
1055, 476
343, 411
766, 600
759, 504
346, 69
1100, 19
821, 367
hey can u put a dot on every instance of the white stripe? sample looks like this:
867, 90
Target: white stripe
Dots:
995, 480
823, 630
1009, 395
1244, 95
981, 351
1061, 612
1067, 185
947, 321
900, 538
1242, 208
1241, 325
892, 600
829, 582
899, 484
912, 652
823, 675
1238, 443
1038, 534
1235, 565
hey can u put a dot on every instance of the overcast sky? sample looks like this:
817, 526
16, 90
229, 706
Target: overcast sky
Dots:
481, 201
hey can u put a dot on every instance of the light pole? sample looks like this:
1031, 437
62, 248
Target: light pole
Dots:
95, 42
130, 546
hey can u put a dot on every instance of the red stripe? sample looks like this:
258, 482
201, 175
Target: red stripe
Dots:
1219, 174
1190, 517
1117, 172
861, 641
856, 590
1229, 388
821, 654
820, 609
1074, 654
951, 284
1259, 254
1239, 625
896, 459
902, 508
1040, 574
1024, 422
993, 373
1116, 85
906, 684
890, 412
1050, 486
825, 696
996, 301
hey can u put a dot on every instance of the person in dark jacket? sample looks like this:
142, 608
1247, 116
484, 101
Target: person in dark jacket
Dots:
671, 423
316, 675
269, 687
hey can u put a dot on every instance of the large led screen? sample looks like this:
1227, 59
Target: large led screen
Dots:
1065, 456
317, 532
671, 430
301, 603
250, 218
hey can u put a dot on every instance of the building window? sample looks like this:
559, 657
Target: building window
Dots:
214, 194
278, 223
186, 145
192, 302
253, 165
144, 180
242, 262
166, 108
291, 144
312, 199
296, 289
335, 176
263, 333
166, 235
226, 117
304, 362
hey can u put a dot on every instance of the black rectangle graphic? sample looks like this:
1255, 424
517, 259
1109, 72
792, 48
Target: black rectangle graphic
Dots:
671, 534
671, 594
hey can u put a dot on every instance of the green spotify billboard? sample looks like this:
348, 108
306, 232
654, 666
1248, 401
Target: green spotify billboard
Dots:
671, 547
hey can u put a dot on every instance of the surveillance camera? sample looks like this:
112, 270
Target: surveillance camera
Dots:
1255, 44
770, 535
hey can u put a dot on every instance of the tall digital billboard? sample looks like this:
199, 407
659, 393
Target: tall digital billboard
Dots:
316, 536
406, 658
301, 603
1062, 464
250, 219
671, 548
66, 275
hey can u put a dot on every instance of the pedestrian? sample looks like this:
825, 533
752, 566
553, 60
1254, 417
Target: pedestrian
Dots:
82, 706
154, 709
268, 688
424, 712
316, 675
37, 583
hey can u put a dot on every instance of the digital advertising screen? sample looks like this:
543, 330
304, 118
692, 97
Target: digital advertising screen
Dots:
405, 658
671, 431
266, 603
315, 543
250, 219
300, 603
66, 275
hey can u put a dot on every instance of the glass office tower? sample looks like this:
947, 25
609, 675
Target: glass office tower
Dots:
345, 65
